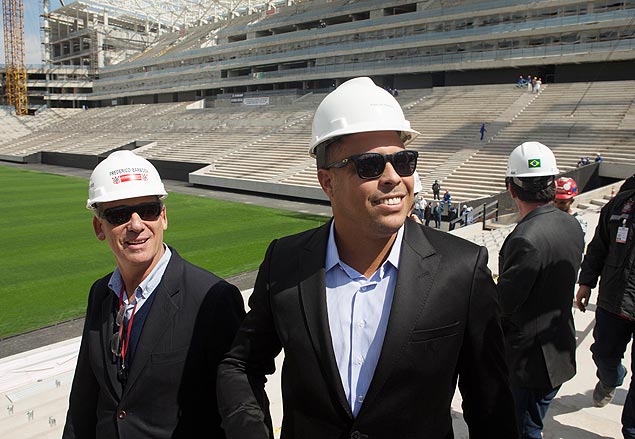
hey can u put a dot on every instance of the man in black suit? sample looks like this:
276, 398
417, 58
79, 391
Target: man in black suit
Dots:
538, 266
378, 316
154, 328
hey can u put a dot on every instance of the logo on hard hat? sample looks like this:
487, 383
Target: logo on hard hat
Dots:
129, 177
533, 163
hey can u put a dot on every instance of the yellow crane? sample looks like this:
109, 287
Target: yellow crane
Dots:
13, 19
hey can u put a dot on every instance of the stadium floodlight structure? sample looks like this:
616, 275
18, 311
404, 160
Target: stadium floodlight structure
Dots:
178, 14
15, 82
98, 33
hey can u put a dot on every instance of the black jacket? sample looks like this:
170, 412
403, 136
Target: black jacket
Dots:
611, 260
538, 267
444, 325
171, 387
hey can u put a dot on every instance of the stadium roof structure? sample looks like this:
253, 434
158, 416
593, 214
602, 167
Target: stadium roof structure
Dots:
171, 14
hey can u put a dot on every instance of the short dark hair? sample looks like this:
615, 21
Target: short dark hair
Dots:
534, 189
323, 152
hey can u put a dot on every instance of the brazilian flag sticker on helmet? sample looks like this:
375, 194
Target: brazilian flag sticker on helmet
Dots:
533, 163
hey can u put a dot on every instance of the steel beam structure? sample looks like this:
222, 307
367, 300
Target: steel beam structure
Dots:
13, 20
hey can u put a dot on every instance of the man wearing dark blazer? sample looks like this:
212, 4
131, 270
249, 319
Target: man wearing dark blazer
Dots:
154, 328
379, 317
538, 267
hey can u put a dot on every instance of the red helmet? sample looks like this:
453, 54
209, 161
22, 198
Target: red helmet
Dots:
566, 188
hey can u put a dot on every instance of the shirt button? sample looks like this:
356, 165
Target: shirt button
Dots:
121, 414
360, 398
362, 323
360, 360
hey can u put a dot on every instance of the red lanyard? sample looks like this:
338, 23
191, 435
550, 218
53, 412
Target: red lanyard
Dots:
126, 342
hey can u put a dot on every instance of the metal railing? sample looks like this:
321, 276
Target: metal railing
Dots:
479, 214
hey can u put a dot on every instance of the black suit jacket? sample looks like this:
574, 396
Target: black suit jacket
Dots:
538, 266
444, 323
171, 386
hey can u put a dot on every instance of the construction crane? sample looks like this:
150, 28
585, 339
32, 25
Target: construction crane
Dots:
13, 19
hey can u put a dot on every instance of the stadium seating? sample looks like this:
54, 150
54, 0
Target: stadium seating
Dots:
576, 119
237, 143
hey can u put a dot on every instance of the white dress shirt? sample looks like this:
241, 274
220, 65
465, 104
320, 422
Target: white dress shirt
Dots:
145, 288
358, 310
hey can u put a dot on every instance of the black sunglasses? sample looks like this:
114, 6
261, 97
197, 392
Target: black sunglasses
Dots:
115, 341
121, 214
371, 164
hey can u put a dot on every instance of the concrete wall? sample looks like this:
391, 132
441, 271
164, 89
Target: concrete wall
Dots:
610, 71
80, 161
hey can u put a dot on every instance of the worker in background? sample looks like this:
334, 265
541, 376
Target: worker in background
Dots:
419, 205
538, 267
566, 190
610, 257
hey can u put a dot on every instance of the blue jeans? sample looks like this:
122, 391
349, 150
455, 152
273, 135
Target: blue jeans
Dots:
531, 408
611, 335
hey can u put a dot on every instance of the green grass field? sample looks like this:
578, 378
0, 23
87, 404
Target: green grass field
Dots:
50, 256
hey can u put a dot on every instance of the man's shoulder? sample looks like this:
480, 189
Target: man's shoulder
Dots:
537, 220
101, 284
181, 273
189, 270
300, 238
619, 199
196, 282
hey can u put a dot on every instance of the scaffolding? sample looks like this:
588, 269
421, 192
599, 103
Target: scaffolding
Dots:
15, 79
179, 14
99, 33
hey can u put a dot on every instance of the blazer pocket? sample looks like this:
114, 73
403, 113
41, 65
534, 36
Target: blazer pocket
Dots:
422, 335
169, 357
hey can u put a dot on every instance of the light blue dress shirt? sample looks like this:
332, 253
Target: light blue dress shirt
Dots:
358, 310
147, 286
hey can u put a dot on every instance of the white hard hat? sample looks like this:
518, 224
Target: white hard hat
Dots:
531, 159
122, 175
418, 188
358, 106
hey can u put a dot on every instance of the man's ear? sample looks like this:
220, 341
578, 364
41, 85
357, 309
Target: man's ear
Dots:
164, 218
325, 177
99, 233
511, 190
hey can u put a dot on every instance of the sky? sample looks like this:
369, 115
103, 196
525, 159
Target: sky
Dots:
32, 11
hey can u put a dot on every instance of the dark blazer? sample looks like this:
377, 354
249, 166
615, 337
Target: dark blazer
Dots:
444, 323
171, 386
538, 267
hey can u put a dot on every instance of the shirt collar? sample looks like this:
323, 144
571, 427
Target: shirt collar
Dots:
333, 257
149, 284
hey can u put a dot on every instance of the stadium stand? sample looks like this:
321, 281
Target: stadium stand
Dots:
20, 126
576, 119
262, 148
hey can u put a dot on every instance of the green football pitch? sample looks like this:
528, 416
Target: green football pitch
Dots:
50, 257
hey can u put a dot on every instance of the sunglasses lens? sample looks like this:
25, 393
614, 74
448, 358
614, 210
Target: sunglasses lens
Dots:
122, 214
120, 314
148, 211
405, 162
370, 165
115, 344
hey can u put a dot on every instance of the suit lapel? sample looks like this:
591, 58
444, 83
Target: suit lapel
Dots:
107, 328
418, 265
159, 319
313, 300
